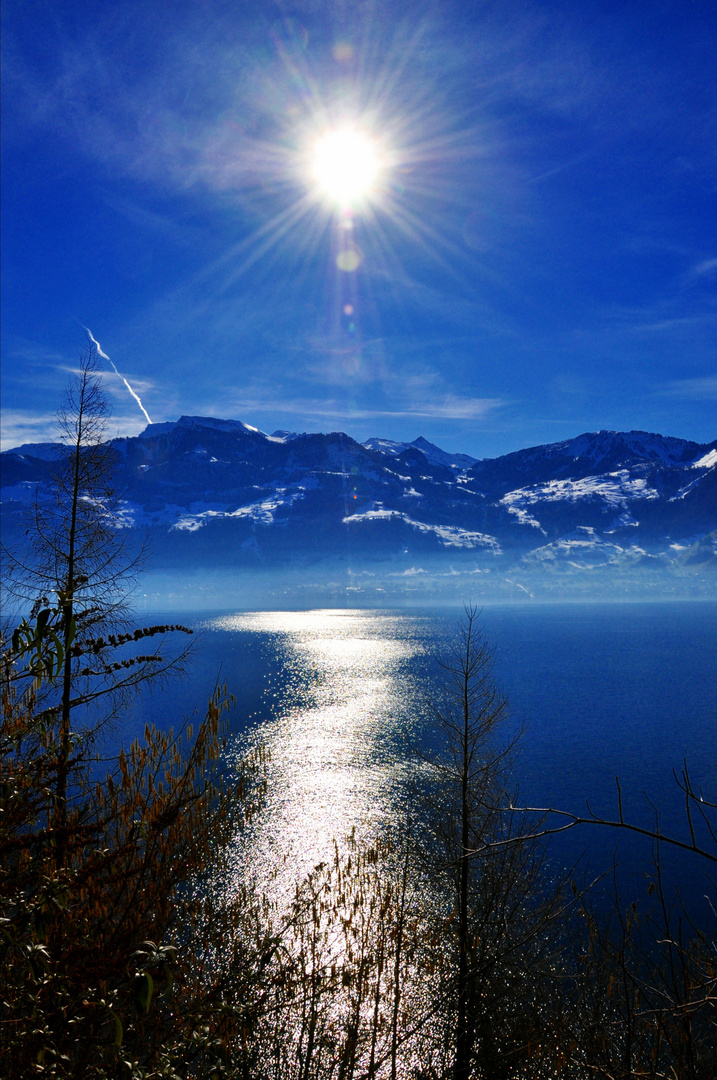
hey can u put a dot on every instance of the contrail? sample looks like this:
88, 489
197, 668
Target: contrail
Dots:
106, 357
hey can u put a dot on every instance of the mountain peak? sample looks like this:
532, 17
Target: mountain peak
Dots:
435, 454
251, 499
217, 425
195, 423
424, 444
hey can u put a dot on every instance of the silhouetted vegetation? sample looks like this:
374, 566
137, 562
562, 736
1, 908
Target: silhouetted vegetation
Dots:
134, 944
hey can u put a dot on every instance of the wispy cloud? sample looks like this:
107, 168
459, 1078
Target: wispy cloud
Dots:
701, 388
169, 115
676, 324
20, 426
33, 353
704, 268
449, 407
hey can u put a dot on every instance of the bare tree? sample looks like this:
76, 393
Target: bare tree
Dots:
73, 547
116, 958
77, 551
501, 924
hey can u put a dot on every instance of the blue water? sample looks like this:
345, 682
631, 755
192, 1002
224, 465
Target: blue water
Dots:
599, 691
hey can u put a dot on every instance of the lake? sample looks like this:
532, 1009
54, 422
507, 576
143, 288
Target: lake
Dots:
340, 697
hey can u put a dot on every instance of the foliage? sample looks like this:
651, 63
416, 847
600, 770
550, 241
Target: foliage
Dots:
136, 944
148, 952
109, 958
113, 954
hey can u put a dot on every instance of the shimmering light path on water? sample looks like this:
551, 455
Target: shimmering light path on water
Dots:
339, 732
338, 697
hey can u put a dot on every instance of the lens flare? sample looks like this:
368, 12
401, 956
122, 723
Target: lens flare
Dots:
348, 260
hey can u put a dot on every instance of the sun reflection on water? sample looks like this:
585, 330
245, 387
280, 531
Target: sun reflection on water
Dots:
321, 864
335, 734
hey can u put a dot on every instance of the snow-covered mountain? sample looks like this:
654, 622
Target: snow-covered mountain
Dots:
220, 493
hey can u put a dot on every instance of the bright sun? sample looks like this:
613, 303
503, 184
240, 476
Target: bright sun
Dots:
345, 164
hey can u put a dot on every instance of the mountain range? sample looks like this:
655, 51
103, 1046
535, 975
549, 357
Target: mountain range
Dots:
623, 511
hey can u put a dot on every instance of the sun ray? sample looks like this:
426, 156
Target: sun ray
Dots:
370, 150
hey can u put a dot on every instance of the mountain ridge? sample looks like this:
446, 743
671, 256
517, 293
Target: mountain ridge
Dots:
222, 493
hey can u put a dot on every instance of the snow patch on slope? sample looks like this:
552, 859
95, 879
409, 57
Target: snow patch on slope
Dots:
614, 488
386, 446
707, 462
447, 535
262, 512
523, 516
582, 548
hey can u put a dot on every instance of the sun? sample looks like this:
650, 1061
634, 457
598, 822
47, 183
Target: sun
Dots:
345, 164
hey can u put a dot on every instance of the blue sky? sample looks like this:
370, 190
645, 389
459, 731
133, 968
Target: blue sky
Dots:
538, 257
